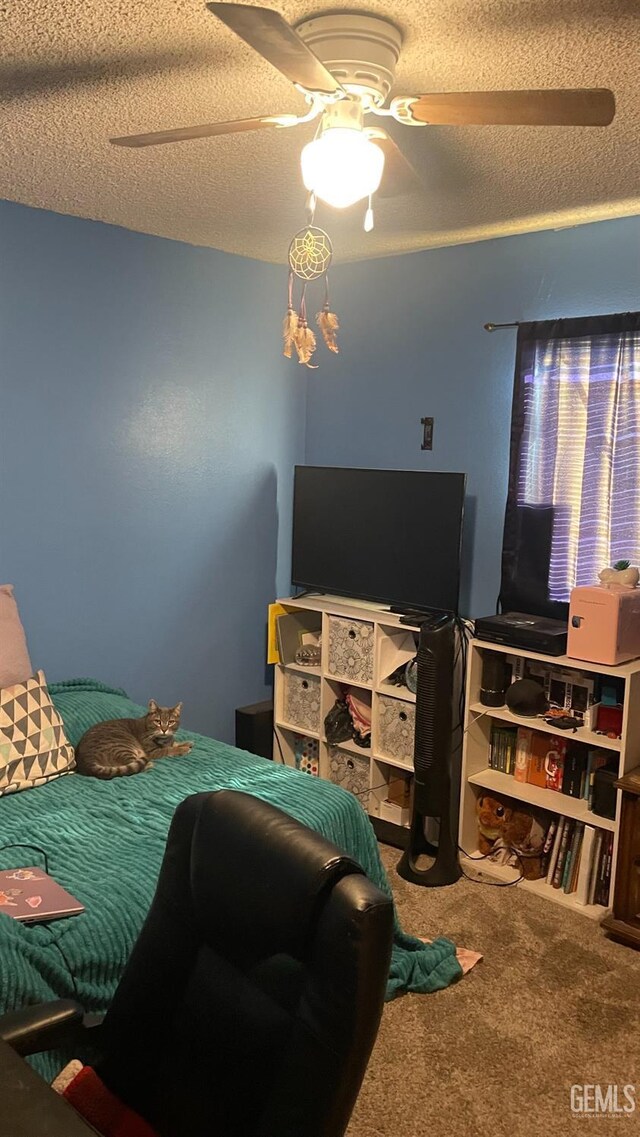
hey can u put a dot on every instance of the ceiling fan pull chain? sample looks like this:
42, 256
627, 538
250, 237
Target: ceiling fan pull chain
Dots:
310, 207
368, 217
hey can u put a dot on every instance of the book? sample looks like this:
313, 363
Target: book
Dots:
575, 761
29, 895
555, 849
554, 763
547, 751
536, 774
503, 751
549, 836
606, 876
567, 835
575, 867
511, 737
548, 844
523, 753
597, 759
576, 859
600, 875
513, 743
274, 611
500, 750
586, 865
604, 870
595, 866
571, 853
493, 751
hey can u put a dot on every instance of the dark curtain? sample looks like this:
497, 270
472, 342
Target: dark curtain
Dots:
573, 501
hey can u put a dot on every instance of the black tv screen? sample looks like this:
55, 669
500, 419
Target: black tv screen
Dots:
392, 536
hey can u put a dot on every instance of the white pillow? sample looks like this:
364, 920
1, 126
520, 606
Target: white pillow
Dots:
33, 746
15, 665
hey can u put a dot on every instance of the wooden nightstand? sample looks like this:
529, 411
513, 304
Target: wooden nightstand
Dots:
624, 923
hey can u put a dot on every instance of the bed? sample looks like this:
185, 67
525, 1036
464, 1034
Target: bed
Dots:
104, 842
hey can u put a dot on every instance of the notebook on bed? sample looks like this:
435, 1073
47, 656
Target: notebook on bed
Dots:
29, 894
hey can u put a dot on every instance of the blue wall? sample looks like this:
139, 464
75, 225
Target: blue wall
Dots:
413, 344
148, 430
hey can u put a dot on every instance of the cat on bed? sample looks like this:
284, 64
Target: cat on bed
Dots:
119, 747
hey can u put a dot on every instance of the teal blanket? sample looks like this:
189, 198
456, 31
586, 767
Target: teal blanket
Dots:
105, 842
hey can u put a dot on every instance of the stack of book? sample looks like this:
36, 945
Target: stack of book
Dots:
579, 860
546, 760
502, 752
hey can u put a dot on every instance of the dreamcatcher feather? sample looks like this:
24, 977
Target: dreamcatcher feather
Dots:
310, 255
289, 329
328, 322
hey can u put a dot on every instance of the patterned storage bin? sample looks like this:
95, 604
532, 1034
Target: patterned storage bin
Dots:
351, 771
307, 754
302, 700
396, 728
350, 649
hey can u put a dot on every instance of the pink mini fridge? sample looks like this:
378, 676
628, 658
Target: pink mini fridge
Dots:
604, 624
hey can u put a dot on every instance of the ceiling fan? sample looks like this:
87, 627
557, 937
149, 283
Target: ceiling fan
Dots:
344, 66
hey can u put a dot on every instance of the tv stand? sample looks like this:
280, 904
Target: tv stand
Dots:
362, 646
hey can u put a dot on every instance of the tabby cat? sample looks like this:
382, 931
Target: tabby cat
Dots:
119, 747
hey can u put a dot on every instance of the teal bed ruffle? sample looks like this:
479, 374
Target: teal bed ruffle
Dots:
105, 842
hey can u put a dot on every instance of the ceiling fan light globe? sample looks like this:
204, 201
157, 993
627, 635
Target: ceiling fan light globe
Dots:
342, 167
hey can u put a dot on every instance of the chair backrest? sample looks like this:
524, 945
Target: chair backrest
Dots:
252, 999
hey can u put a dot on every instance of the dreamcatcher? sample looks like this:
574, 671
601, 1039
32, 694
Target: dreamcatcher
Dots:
310, 255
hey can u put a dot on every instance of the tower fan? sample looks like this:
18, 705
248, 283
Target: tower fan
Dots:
432, 757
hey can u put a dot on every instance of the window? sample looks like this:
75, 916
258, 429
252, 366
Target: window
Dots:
574, 478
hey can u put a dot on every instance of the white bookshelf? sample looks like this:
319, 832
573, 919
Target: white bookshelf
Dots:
394, 644
477, 775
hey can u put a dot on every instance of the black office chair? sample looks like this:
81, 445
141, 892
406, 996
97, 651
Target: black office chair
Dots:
252, 998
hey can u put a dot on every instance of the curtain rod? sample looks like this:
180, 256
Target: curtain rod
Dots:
494, 327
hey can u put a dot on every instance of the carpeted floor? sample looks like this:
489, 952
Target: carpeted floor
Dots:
552, 1004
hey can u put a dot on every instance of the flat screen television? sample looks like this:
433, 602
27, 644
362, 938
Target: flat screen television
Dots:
392, 536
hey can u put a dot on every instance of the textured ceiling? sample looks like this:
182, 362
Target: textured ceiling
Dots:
75, 72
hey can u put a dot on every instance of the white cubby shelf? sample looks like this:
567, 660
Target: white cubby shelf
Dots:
478, 775
394, 645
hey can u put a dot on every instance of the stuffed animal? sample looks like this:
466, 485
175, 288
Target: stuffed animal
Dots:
511, 836
622, 575
491, 817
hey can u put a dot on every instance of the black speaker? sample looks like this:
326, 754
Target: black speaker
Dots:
432, 757
526, 557
495, 677
254, 729
527, 698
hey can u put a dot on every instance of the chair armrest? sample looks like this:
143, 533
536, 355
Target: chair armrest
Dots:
41, 1027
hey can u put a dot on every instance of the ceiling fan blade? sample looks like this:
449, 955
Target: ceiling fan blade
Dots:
399, 176
184, 133
588, 107
22, 80
269, 34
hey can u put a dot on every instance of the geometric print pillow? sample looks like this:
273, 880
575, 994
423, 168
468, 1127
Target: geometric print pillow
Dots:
33, 746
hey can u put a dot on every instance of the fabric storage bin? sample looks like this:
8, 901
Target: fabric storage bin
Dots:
350, 649
302, 700
396, 728
351, 771
306, 753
